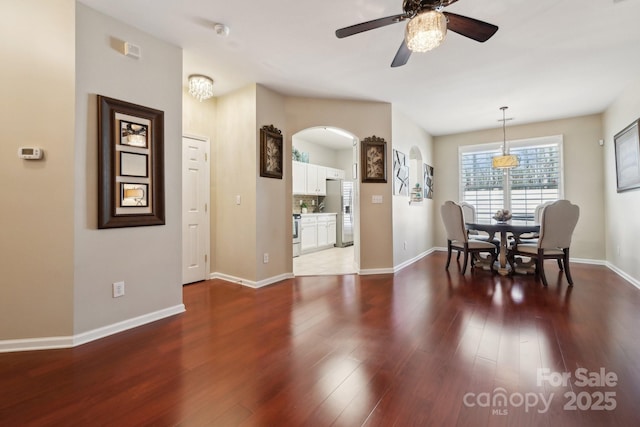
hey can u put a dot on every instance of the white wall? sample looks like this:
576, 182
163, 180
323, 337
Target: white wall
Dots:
412, 223
37, 76
273, 207
148, 259
235, 170
583, 174
318, 154
622, 209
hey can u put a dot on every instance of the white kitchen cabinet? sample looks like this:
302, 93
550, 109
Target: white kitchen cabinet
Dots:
308, 233
318, 231
323, 223
299, 177
333, 173
316, 180
322, 181
331, 230
312, 179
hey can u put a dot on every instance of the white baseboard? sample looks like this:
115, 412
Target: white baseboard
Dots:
251, 283
412, 260
624, 275
370, 271
51, 343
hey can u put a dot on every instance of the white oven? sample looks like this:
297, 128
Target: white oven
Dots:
296, 234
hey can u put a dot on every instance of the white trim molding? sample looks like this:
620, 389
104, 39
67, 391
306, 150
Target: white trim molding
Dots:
50, 343
412, 260
251, 283
624, 275
370, 271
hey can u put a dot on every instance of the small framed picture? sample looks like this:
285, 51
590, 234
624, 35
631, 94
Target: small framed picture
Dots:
627, 147
134, 195
133, 134
374, 159
271, 156
134, 164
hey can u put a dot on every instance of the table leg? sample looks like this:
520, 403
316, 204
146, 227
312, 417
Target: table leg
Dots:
502, 269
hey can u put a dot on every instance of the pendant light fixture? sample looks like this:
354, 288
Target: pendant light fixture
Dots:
506, 160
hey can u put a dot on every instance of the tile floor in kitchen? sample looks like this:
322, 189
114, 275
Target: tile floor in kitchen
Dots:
328, 261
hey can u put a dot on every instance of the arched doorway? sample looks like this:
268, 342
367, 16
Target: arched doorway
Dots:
325, 195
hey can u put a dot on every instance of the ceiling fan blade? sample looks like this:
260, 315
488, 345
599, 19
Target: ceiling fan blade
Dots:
369, 25
474, 29
402, 56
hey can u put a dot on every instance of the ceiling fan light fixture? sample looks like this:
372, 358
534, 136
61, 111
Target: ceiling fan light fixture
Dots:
200, 87
426, 31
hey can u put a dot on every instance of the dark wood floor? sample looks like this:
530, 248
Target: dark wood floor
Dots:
420, 348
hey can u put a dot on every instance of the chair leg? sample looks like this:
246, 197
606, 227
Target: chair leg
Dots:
494, 257
541, 267
566, 267
560, 264
466, 258
511, 261
458, 257
446, 267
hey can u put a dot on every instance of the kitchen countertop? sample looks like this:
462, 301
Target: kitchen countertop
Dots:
319, 213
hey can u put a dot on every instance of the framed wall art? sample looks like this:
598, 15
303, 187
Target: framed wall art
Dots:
374, 159
400, 174
271, 156
130, 164
428, 181
627, 148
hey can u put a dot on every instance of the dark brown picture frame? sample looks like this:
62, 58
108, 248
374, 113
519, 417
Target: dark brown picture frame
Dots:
627, 154
271, 156
110, 212
373, 155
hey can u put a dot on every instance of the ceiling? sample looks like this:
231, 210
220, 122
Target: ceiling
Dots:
550, 59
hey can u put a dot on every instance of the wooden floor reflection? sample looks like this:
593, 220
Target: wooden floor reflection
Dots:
423, 347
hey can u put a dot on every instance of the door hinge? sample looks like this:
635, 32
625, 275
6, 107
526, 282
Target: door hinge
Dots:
206, 157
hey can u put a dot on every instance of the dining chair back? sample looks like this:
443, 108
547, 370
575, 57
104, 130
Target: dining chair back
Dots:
457, 238
453, 219
557, 222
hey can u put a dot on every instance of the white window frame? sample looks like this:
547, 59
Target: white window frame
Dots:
497, 147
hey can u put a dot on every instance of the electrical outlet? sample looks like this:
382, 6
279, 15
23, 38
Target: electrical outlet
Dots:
238, 199
265, 258
118, 289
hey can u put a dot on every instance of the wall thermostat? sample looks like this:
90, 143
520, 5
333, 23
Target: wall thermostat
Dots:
30, 153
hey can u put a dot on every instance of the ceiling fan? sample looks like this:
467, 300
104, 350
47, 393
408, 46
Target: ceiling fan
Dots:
426, 28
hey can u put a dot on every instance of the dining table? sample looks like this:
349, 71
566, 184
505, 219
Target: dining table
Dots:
505, 229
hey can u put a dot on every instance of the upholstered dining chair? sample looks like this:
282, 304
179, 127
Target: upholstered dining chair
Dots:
469, 215
537, 215
557, 222
457, 238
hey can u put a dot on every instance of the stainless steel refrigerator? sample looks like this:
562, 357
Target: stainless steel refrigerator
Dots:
339, 199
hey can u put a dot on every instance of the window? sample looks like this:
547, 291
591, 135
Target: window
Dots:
536, 180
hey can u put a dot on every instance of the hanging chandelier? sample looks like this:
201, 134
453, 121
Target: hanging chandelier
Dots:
200, 87
506, 160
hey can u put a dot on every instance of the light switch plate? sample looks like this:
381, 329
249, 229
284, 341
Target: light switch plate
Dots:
376, 198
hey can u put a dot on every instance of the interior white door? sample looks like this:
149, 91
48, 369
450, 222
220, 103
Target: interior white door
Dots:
195, 209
